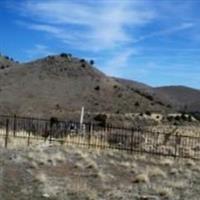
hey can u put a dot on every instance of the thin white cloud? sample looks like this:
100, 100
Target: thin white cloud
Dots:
101, 26
169, 31
117, 65
38, 50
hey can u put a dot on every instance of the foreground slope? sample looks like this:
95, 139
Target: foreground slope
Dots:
70, 173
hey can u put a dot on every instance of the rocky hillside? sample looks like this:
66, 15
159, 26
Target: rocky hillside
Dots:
59, 85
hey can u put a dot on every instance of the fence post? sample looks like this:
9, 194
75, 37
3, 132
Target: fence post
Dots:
28, 142
132, 132
7, 129
50, 134
176, 137
90, 132
51, 130
14, 126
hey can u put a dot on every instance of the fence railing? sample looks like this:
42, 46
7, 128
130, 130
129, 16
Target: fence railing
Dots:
33, 130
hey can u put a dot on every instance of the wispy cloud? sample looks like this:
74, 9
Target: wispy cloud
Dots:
38, 50
100, 26
117, 65
169, 31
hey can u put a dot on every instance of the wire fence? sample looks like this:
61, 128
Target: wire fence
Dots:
33, 130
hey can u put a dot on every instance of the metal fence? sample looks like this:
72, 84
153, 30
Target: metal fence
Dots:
142, 140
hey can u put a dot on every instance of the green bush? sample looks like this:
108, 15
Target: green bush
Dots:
64, 55
91, 62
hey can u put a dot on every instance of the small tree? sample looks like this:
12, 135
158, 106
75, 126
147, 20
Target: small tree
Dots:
64, 55
91, 62
82, 60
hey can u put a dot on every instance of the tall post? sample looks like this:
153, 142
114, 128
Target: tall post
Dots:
82, 115
81, 119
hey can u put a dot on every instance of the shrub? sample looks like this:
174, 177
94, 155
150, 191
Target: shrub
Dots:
97, 88
51, 57
160, 103
149, 97
96, 103
120, 95
64, 55
91, 62
137, 91
169, 118
82, 60
137, 104
117, 112
148, 113
178, 118
57, 107
190, 118
183, 117
83, 65
169, 106
101, 119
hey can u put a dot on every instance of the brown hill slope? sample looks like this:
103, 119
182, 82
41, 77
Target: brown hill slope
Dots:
57, 85
180, 97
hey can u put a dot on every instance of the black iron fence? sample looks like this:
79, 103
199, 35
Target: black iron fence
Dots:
142, 140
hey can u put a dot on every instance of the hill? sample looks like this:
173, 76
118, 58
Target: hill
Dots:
184, 98
59, 85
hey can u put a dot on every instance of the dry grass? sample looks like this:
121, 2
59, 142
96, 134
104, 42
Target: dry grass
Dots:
156, 172
141, 178
167, 162
86, 173
164, 192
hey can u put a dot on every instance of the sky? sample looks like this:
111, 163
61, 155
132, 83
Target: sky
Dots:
156, 42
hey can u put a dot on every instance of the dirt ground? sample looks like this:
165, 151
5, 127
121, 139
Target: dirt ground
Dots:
60, 172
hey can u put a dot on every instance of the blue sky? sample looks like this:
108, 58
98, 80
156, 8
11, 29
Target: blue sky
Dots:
153, 41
